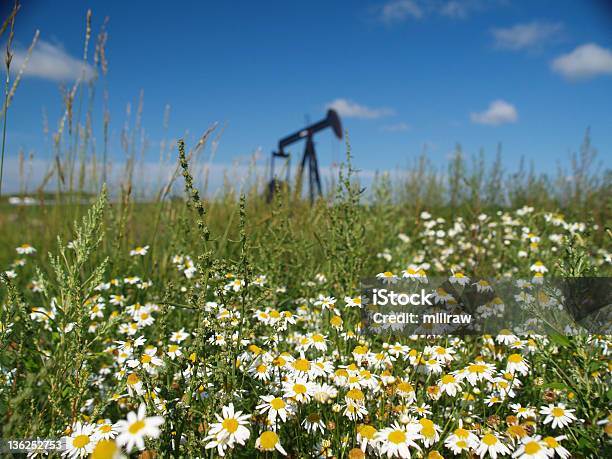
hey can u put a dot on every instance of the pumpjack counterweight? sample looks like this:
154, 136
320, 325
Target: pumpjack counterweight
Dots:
309, 159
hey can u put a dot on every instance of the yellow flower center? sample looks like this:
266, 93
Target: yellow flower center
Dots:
355, 394
145, 358
301, 365
133, 379
428, 430
532, 447
230, 424
299, 388
80, 441
557, 412
405, 387
447, 379
277, 403
360, 350
461, 433
268, 441
489, 439
136, 427
367, 431
104, 449
477, 368
515, 358
397, 437
551, 442
517, 431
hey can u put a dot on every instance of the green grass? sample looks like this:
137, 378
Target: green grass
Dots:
307, 250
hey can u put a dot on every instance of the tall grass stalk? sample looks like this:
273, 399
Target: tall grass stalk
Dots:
7, 61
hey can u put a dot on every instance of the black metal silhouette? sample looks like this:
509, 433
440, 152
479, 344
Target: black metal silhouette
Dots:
310, 156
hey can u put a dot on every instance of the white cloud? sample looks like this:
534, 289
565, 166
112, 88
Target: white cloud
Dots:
397, 127
395, 11
400, 10
457, 8
349, 109
585, 61
499, 112
51, 62
529, 35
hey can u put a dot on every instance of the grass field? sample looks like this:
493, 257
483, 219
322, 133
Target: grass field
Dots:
200, 325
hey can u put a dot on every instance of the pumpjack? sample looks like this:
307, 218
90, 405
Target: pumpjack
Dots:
309, 159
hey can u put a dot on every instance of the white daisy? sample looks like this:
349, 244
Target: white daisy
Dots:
553, 443
229, 429
106, 430
274, 406
137, 427
517, 364
492, 445
532, 448
25, 249
558, 415
81, 441
397, 440
269, 441
387, 277
299, 389
448, 384
142, 251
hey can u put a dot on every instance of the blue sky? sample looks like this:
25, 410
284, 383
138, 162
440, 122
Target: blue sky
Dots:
403, 74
